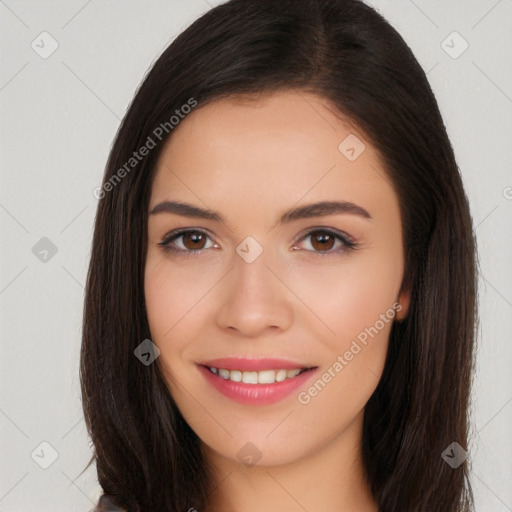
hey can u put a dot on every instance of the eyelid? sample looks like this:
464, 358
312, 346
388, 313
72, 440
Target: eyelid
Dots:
348, 243
342, 234
179, 231
176, 233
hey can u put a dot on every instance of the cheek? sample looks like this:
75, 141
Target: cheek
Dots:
159, 297
176, 296
357, 305
170, 290
166, 299
351, 297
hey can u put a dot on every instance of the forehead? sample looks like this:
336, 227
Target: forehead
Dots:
263, 150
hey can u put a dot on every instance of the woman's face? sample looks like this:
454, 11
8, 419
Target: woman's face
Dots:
256, 288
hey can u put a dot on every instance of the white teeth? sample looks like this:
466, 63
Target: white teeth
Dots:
261, 377
236, 375
250, 377
280, 375
224, 374
266, 377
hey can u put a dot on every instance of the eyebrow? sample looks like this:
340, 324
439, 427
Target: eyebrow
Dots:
319, 209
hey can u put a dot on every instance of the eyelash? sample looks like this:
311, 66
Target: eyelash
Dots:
347, 242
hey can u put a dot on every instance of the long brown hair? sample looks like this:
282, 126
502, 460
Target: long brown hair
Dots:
147, 456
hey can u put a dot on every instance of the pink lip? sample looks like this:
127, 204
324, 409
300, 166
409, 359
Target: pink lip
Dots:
255, 394
253, 364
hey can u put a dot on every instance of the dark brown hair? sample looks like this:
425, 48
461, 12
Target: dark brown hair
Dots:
147, 457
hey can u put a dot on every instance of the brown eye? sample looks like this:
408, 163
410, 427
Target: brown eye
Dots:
187, 242
322, 240
193, 240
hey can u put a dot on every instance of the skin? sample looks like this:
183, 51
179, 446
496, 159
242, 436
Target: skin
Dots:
250, 159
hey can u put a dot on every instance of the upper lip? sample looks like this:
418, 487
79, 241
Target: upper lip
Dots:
253, 363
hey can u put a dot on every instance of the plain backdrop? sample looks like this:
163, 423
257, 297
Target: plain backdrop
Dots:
68, 72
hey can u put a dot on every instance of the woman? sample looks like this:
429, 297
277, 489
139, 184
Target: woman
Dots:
281, 300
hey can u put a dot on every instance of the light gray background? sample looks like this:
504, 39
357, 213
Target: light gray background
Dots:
58, 118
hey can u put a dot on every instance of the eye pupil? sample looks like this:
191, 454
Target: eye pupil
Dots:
195, 237
322, 238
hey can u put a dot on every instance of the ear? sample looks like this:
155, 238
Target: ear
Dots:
404, 300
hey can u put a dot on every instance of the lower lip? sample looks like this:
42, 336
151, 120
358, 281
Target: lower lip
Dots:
255, 394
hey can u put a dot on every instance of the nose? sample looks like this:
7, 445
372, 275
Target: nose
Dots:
255, 298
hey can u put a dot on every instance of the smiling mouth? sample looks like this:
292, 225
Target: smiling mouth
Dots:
258, 377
